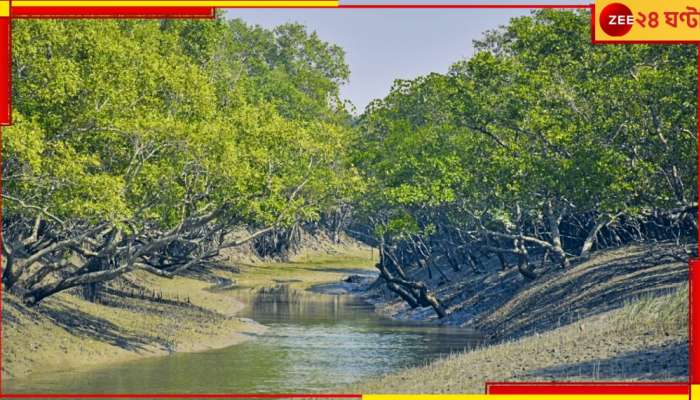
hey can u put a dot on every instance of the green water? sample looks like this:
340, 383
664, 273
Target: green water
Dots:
315, 342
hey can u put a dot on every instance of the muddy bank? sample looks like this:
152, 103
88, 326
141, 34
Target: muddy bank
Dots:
67, 332
619, 316
354, 284
505, 306
149, 316
643, 341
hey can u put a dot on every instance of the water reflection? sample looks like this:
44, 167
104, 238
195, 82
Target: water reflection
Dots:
315, 343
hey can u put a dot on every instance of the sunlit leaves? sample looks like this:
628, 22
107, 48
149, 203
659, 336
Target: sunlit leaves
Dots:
537, 114
148, 122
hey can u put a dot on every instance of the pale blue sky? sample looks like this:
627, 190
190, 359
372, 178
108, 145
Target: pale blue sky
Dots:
386, 44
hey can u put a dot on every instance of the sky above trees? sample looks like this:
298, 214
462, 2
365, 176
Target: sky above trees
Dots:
382, 45
386, 44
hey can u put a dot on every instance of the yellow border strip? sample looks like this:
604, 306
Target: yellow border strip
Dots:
4, 8
174, 3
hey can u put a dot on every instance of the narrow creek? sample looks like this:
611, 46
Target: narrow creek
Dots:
315, 342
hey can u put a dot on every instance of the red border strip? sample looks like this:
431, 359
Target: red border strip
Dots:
598, 388
6, 119
113, 12
5, 71
693, 318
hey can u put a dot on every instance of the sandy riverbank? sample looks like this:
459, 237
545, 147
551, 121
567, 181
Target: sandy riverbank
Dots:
66, 332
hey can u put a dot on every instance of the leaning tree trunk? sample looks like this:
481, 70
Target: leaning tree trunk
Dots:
553, 220
472, 260
39, 293
414, 293
593, 235
428, 299
382, 266
523, 265
9, 276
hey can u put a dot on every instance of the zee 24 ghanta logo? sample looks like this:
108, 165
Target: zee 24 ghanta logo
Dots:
617, 19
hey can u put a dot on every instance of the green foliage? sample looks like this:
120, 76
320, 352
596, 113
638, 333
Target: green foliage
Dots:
537, 116
146, 123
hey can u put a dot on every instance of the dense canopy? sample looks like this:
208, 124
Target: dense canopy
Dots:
540, 143
155, 144
146, 144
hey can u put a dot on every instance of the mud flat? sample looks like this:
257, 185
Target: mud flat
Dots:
619, 316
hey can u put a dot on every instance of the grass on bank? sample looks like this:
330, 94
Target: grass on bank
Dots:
644, 340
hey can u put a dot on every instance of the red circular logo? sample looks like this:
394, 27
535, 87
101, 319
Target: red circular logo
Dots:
616, 19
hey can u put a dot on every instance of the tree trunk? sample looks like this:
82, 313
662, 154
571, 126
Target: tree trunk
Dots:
8, 275
523, 266
414, 293
36, 295
91, 291
391, 260
452, 259
499, 255
554, 219
390, 280
428, 298
544, 258
34, 279
473, 261
593, 235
